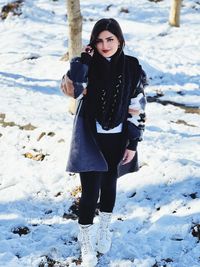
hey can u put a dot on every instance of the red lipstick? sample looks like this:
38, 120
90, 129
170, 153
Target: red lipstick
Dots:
105, 51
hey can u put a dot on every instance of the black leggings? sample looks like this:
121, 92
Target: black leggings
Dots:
104, 182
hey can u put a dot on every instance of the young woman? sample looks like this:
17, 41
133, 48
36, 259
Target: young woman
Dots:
108, 124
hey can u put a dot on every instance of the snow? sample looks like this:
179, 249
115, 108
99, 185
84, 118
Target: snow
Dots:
158, 208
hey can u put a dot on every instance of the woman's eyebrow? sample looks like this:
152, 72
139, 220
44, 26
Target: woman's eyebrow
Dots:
110, 37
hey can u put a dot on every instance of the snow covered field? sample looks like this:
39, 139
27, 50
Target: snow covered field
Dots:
156, 222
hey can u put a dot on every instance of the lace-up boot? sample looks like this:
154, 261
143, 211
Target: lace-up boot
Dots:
104, 234
88, 253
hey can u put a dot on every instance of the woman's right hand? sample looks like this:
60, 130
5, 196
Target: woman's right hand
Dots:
88, 49
67, 86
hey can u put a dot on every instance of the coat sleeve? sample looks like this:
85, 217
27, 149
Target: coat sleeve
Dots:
136, 114
77, 75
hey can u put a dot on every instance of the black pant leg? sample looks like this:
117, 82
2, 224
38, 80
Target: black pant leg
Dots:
108, 191
90, 183
111, 147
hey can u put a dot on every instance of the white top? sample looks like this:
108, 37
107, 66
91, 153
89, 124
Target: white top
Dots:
117, 129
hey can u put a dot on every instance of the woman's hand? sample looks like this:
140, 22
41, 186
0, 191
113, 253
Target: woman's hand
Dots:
67, 86
88, 49
128, 156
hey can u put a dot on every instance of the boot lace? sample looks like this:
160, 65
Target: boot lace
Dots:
104, 231
86, 243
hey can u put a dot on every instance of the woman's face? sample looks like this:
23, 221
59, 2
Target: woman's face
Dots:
107, 44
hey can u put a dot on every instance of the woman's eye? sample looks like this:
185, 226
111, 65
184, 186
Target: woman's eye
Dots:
110, 40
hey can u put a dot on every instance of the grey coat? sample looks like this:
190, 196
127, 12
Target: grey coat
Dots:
84, 153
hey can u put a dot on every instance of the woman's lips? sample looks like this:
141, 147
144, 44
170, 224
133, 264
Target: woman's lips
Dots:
105, 51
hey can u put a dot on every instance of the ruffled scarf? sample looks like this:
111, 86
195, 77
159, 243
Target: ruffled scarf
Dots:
107, 89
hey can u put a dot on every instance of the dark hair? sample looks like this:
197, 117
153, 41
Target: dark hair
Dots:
110, 25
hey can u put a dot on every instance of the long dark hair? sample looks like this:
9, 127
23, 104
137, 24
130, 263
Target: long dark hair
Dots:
110, 25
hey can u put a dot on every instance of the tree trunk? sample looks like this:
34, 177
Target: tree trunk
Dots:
174, 16
74, 36
74, 28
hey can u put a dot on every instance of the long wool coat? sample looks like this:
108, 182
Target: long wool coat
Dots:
85, 154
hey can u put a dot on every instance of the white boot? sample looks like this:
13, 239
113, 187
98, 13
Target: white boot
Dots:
88, 253
104, 234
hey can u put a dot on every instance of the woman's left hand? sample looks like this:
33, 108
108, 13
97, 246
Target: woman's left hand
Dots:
128, 156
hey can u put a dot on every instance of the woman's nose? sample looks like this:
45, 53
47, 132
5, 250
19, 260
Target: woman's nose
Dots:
105, 45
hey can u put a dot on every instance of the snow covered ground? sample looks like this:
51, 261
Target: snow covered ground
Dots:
156, 222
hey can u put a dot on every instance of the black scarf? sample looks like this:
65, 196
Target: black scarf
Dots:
107, 89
